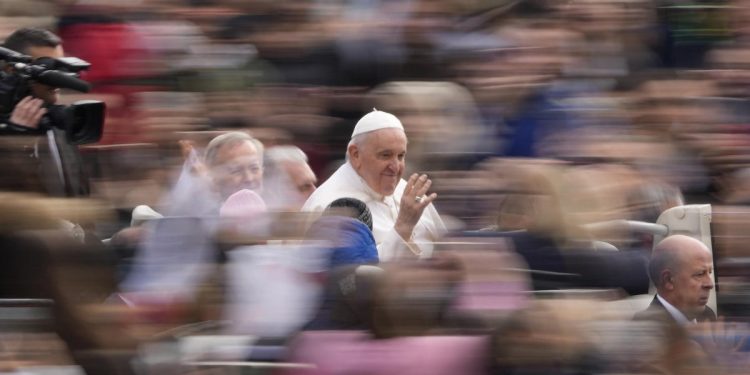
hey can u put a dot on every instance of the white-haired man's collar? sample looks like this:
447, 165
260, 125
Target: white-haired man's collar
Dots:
678, 316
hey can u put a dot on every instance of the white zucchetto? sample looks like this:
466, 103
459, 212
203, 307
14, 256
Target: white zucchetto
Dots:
376, 120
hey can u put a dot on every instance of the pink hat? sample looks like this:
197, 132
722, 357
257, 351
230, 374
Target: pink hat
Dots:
242, 204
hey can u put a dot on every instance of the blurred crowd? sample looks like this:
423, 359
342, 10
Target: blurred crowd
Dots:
536, 120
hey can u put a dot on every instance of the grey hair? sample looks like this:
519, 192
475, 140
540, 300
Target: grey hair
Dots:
285, 153
228, 140
660, 261
358, 140
666, 255
276, 156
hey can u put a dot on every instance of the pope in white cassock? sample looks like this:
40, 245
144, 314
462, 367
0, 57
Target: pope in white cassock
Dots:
405, 222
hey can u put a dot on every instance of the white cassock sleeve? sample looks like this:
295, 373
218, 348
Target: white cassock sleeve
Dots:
391, 246
394, 247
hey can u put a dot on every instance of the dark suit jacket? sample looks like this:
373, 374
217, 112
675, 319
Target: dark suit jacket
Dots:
657, 311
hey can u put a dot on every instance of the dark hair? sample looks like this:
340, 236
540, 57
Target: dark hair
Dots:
24, 38
359, 209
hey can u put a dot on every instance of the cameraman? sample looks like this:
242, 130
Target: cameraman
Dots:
35, 43
59, 161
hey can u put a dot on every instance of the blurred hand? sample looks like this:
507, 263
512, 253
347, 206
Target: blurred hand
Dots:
721, 336
28, 112
187, 149
413, 203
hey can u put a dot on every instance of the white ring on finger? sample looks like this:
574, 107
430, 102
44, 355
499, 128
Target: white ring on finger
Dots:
419, 198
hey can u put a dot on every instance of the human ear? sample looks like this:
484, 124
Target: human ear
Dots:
667, 280
354, 159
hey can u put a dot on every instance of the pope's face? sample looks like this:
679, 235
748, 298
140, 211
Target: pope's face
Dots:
380, 159
48, 94
237, 167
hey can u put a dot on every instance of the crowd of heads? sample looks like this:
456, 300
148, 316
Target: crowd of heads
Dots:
536, 121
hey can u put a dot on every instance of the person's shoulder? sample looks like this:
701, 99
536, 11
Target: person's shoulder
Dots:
654, 311
336, 186
650, 314
343, 177
317, 201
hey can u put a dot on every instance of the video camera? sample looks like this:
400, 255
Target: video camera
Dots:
82, 121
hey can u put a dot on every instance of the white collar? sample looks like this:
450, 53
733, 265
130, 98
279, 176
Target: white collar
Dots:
676, 313
363, 184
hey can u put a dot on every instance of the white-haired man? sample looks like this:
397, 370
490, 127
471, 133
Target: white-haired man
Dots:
405, 222
288, 178
681, 268
232, 161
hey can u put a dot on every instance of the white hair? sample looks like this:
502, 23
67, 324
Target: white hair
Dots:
285, 153
358, 140
228, 140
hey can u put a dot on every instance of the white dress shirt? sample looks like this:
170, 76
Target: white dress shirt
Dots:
678, 316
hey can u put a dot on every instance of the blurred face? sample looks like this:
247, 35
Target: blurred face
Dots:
237, 167
302, 177
692, 282
380, 160
49, 94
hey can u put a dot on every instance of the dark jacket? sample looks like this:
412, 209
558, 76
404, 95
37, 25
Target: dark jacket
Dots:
657, 311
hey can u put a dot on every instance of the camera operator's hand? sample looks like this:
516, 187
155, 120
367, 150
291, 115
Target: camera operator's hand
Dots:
28, 112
